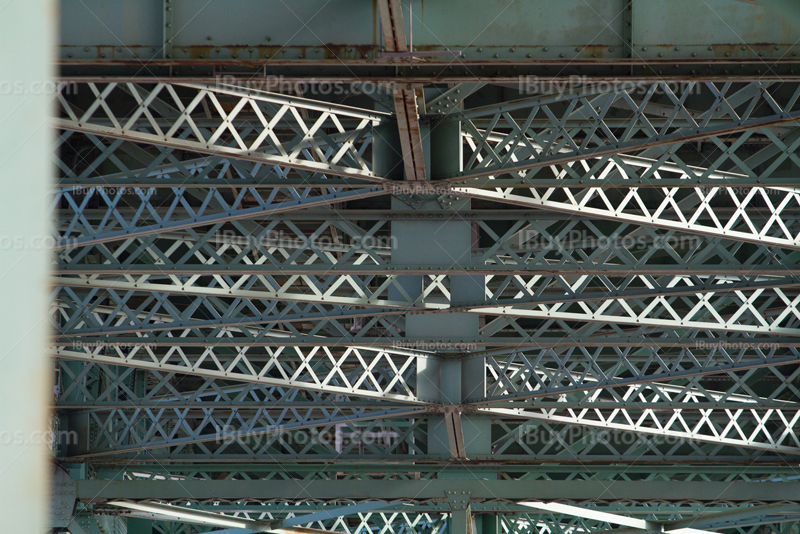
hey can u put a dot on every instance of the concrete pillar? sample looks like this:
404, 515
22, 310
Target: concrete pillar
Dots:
27, 41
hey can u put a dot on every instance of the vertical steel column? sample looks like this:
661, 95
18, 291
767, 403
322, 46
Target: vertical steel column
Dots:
168, 29
627, 28
446, 243
74, 424
461, 520
26, 378
139, 526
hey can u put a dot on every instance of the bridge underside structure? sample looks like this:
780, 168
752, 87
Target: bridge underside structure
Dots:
509, 267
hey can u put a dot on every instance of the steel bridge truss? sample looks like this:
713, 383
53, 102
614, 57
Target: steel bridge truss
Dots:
597, 285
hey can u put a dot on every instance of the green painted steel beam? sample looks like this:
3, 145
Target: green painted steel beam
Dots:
424, 490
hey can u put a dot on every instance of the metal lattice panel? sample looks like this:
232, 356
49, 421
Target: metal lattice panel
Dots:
593, 287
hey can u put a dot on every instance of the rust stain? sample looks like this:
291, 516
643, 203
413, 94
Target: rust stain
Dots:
599, 51
786, 30
332, 53
276, 52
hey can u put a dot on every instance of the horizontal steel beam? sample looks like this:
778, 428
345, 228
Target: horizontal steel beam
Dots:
133, 427
676, 425
454, 344
538, 388
190, 289
539, 268
228, 152
508, 213
695, 226
504, 73
426, 490
231, 215
761, 472
193, 181
243, 405
166, 322
204, 367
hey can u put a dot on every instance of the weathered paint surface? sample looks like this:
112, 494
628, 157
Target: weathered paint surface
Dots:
484, 30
